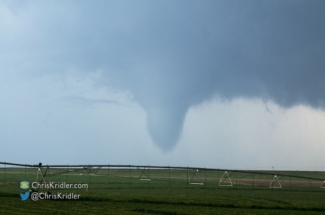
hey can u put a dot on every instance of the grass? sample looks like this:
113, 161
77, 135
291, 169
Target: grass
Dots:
143, 203
119, 191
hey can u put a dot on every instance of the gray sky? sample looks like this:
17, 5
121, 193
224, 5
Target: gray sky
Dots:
238, 84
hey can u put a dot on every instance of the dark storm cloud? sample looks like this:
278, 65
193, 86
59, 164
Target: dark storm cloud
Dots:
174, 54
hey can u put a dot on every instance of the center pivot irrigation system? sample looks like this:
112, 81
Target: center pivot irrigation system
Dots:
191, 175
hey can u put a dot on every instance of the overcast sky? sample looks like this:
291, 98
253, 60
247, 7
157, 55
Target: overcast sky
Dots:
228, 84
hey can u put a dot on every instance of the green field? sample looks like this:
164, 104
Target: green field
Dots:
131, 190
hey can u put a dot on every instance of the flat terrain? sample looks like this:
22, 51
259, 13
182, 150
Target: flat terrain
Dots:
143, 203
167, 191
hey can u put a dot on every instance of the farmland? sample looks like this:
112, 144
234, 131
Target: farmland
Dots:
152, 190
